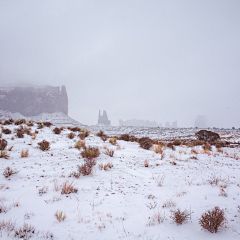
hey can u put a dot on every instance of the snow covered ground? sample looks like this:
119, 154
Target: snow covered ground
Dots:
125, 202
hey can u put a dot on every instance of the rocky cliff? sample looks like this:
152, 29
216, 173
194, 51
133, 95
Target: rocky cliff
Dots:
31, 101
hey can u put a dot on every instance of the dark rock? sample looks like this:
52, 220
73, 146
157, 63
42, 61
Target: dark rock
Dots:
207, 136
31, 101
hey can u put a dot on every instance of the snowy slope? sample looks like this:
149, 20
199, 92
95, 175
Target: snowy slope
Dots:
123, 202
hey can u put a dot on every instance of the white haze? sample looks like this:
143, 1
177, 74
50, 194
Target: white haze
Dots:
155, 60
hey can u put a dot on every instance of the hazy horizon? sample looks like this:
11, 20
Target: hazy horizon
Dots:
152, 60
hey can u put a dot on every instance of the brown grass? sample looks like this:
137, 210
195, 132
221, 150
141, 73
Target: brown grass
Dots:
60, 216
80, 144
4, 155
24, 153
157, 149
68, 188
109, 152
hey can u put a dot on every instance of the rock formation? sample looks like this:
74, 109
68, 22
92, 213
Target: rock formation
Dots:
31, 101
173, 125
103, 119
138, 123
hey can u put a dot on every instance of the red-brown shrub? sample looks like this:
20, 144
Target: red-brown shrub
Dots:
213, 219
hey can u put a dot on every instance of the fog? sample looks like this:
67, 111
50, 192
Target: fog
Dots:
151, 60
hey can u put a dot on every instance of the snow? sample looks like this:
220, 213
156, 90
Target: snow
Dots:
119, 203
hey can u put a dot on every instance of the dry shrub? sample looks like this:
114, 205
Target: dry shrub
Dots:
47, 124
60, 216
75, 129
179, 216
3, 144
223, 190
30, 123
0, 135
7, 122
118, 147
20, 133
42, 190
87, 167
68, 188
106, 166
194, 143
169, 203
8, 172
193, 151
40, 125
146, 163
109, 152
84, 133
44, 145
207, 147
100, 133
104, 138
113, 141
145, 143
20, 121
160, 180
219, 150
124, 137
7, 225
57, 130
157, 218
24, 154
25, 232
62, 128
157, 149
213, 219
220, 144
215, 179
90, 152
4, 154
81, 136
6, 131
80, 144
71, 135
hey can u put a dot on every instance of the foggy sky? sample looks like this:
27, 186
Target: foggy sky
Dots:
154, 60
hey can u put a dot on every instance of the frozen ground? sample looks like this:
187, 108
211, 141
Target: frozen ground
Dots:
123, 202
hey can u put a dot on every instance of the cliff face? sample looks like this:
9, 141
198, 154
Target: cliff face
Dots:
31, 101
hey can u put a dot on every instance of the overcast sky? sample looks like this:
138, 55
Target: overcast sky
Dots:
156, 60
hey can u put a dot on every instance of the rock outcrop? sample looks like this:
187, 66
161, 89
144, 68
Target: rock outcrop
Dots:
32, 101
207, 136
138, 123
103, 120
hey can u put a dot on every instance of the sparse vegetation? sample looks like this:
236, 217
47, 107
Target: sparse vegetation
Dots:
145, 143
179, 216
113, 141
146, 163
90, 152
60, 216
157, 149
24, 153
213, 219
44, 145
68, 188
20, 133
109, 152
57, 130
80, 144
8, 172
47, 124
20, 121
3, 144
4, 154
6, 131
25, 232
71, 135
